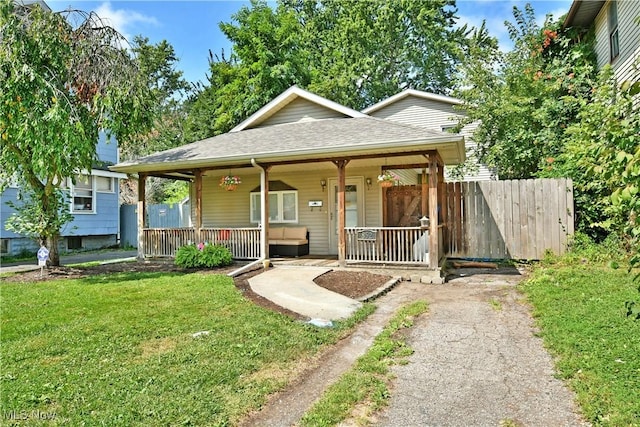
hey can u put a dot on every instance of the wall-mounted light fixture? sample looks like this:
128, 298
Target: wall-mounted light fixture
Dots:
368, 181
323, 184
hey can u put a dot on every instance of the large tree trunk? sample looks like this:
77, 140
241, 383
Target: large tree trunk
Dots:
52, 246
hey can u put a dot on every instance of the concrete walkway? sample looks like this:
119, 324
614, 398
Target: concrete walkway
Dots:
293, 288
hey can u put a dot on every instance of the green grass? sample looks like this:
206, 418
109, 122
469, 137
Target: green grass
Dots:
580, 310
366, 382
118, 350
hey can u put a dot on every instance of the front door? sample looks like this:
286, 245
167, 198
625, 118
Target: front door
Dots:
354, 208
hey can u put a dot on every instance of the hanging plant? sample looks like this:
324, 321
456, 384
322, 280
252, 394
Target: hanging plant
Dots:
388, 179
230, 182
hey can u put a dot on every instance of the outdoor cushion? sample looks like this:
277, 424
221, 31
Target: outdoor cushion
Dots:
295, 233
276, 233
291, 242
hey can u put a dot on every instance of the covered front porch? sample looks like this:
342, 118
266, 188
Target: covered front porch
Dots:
345, 215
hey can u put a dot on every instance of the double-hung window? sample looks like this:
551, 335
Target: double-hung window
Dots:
614, 42
83, 195
283, 207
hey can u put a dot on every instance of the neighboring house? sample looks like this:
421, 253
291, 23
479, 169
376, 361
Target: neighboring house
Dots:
617, 32
93, 201
431, 111
314, 163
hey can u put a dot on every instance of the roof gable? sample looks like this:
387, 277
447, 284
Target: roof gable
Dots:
582, 13
411, 93
275, 112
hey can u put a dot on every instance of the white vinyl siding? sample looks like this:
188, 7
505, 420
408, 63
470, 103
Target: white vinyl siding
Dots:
436, 115
300, 110
628, 37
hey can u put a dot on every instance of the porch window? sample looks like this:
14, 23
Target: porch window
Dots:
4, 246
614, 43
83, 195
283, 207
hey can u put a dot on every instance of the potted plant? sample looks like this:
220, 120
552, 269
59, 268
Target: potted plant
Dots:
388, 179
230, 182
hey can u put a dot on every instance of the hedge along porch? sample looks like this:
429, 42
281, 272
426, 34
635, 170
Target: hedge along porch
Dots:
324, 155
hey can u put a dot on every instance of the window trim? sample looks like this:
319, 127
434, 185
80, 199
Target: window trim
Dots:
614, 37
72, 189
255, 196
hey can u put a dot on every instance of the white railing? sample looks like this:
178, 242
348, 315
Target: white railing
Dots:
387, 245
244, 243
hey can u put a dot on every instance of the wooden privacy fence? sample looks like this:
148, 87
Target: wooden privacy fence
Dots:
518, 219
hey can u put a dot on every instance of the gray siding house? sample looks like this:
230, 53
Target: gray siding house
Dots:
617, 32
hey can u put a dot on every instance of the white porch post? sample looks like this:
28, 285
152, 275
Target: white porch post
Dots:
142, 178
264, 208
198, 208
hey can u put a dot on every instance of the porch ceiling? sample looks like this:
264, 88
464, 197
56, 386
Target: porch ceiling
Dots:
306, 145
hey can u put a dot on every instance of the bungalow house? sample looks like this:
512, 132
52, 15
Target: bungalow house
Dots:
617, 32
309, 173
93, 202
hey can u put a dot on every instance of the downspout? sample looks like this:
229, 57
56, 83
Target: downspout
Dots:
264, 213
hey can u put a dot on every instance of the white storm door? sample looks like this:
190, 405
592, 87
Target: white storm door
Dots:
354, 208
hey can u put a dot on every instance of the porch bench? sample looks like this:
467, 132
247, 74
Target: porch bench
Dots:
288, 241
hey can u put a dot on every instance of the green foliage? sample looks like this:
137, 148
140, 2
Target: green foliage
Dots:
384, 47
604, 149
366, 382
131, 334
525, 98
580, 311
60, 85
203, 256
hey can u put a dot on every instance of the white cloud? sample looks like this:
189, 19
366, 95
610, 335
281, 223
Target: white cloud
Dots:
123, 20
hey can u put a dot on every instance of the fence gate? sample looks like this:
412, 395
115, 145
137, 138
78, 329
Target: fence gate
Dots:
403, 205
518, 219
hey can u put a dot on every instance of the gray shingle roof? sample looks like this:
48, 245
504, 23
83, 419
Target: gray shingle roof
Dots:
304, 139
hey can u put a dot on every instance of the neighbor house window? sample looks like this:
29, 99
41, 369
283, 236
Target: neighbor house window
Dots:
614, 43
4, 246
83, 195
283, 206
104, 184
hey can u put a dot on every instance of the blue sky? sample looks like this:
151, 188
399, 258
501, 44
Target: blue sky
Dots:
192, 26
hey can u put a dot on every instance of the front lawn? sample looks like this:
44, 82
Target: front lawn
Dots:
580, 310
118, 350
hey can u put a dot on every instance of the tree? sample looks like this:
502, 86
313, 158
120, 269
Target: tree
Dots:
525, 100
355, 53
603, 153
167, 91
64, 77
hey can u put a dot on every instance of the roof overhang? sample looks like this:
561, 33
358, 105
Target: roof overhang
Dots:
415, 93
582, 13
450, 148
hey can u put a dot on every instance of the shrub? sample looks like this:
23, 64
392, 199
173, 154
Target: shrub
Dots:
203, 255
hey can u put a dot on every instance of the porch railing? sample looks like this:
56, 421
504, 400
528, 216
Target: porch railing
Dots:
387, 245
244, 243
